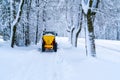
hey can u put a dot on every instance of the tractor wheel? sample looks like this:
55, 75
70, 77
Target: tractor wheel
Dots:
43, 49
55, 47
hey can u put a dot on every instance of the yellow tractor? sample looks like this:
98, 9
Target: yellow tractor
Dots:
49, 41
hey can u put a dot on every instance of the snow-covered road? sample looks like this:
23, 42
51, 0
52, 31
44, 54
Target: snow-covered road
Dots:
68, 63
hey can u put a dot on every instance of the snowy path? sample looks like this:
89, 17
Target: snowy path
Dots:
42, 64
32, 66
68, 63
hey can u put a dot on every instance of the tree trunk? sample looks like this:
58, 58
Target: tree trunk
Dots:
89, 30
13, 27
37, 5
78, 17
15, 22
44, 17
13, 38
71, 37
80, 26
36, 40
91, 37
27, 35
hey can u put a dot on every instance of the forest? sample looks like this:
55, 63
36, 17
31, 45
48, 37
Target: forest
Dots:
23, 21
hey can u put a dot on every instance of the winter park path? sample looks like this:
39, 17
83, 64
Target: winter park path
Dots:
68, 63
32, 64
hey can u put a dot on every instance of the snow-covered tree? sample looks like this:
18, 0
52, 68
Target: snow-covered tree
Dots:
5, 19
27, 32
77, 22
38, 16
107, 22
89, 7
74, 20
15, 23
59, 15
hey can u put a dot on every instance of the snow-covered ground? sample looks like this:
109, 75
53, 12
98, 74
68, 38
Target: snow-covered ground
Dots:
68, 63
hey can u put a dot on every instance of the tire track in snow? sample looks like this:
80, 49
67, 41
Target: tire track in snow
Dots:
58, 65
65, 71
38, 66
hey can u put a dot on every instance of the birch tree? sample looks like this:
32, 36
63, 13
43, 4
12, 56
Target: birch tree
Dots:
15, 22
77, 22
69, 18
89, 7
74, 18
